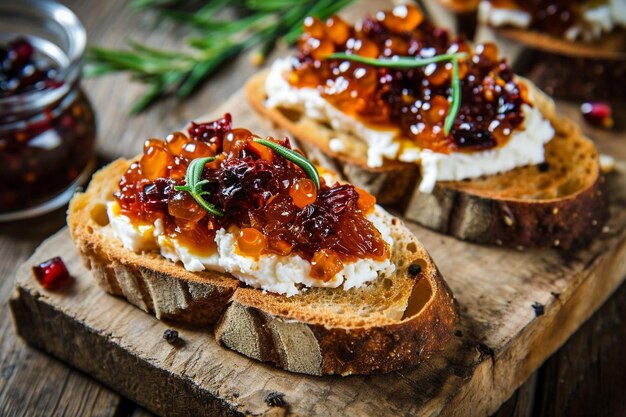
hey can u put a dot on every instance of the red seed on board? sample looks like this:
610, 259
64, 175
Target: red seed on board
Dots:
52, 274
598, 114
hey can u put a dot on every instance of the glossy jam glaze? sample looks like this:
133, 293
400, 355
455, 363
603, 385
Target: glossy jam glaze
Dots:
414, 100
270, 202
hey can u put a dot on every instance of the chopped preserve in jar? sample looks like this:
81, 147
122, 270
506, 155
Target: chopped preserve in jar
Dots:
414, 100
20, 71
272, 203
47, 127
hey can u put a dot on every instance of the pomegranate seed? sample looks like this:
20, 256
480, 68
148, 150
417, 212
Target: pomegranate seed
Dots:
52, 274
598, 114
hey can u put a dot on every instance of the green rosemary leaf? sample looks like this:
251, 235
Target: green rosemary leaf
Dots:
210, 25
405, 62
194, 182
144, 4
95, 70
153, 52
218, 39
130, 60
116, 58
199, 72
336, 7
295, 23
456, 98
197, 166
273, 5
293, 156
212, 7
399, 62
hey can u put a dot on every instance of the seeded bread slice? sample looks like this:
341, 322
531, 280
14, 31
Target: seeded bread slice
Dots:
393, 322
558, 203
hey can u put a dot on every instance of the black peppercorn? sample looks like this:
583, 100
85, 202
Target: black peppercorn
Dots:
538, 308
415, 269
275, 399
171, 336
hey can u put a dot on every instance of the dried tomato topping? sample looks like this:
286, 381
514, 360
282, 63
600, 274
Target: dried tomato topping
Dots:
276, 207
415, 100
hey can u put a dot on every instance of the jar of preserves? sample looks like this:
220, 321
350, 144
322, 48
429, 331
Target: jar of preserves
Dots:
47, 125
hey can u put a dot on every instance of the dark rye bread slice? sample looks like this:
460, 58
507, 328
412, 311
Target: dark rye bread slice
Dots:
558, 203
393, 322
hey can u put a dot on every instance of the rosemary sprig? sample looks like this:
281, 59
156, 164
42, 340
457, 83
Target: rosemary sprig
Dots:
290, 155
194, 183
212, 41
405, 62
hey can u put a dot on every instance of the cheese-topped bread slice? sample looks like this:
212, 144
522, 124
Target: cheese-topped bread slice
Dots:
335, 311
443, 131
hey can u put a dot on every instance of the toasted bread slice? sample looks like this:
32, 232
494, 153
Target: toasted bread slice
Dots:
393, 322
147, 280
558, 203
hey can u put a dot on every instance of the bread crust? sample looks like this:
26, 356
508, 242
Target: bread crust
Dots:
266, 326
461, 208
147, 280
333, 347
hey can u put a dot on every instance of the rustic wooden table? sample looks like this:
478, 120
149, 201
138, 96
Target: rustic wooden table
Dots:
585, 377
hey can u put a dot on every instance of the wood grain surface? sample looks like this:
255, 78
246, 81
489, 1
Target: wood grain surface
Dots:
32, 383
517, 308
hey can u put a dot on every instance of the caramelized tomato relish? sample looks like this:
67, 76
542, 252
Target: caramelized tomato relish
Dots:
414, 100
272, 202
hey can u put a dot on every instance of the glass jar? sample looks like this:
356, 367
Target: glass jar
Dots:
47, 134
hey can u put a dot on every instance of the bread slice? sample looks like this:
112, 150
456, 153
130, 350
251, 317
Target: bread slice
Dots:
393, 322
559, 203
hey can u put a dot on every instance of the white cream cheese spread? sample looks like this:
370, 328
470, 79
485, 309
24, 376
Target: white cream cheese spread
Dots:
287, 275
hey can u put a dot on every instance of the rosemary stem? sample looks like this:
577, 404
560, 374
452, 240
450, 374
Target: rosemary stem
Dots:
402, 62
405, 62
215, 39
456, 98
292, 156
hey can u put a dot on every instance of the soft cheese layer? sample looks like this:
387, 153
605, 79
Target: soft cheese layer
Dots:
526, 146
598, 19
287, 275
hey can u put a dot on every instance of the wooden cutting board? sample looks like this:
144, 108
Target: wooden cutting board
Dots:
517, 308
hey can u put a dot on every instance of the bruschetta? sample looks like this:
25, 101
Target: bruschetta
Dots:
218, 226
444, 131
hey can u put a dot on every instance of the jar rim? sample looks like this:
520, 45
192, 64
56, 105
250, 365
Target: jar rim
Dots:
58, 18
